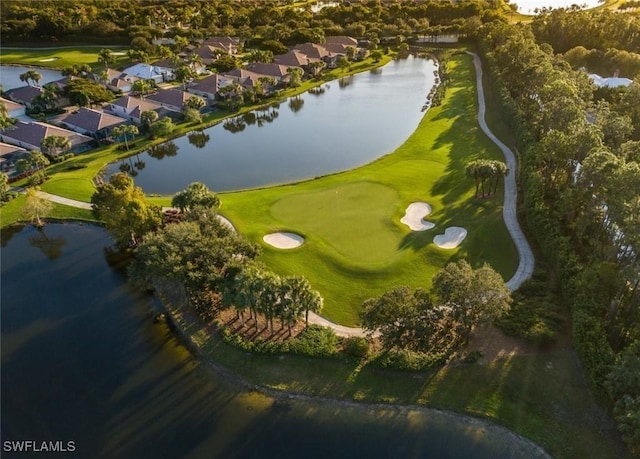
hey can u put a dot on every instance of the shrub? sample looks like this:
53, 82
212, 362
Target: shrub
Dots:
356, 346
407, 360
315, 341
75, 167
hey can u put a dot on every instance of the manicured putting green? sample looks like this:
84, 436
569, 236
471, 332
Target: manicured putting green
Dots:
354, 219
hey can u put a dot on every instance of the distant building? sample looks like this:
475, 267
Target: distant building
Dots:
610, 82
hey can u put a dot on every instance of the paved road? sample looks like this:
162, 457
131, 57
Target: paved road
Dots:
526, 264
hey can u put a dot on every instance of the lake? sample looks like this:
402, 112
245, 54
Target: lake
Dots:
341, 125
530, 6
10, 76
82, 361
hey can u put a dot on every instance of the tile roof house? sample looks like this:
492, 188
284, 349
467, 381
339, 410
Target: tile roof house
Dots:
208, 87
341, 40
131, 108
30, 135
294, 58
172, 99
13, 109
24, 94
207, 53
228, 44
91, 122
116, 80
9, 155
279, 72
245, 78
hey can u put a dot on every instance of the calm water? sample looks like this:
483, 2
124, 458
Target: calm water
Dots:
83, 361
10, 76
353, 122
529, 6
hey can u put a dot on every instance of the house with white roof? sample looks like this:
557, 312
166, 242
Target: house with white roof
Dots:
610, 82
148, 72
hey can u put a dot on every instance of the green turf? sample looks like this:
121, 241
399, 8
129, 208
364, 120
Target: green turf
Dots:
355, 245
61, 57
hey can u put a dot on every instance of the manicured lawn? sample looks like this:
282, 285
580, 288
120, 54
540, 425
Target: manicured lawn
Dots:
61, 57
355, 245
11, 212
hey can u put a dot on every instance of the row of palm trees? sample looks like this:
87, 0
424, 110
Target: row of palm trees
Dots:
258, 291
486, 171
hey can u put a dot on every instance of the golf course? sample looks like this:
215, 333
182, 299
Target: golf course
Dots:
355, 246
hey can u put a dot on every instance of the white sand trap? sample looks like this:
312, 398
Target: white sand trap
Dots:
49, 59
414, 216
119, 53
452, 237
284, 240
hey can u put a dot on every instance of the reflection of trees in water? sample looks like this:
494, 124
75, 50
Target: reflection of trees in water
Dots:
164, 150
50, 246
296, 103
376, 71
249, 118
318, 90
198, 139
8, 232
128, 167
234, 125
346, 81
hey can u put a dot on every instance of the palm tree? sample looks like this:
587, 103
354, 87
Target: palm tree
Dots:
31, 75
125, 130
141, 87
105, 56
193, 60
55, 144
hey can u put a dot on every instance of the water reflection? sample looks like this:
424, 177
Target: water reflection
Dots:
318, 90
165, 150
51, 246
345, 82
198, 139
234, 125
296, 103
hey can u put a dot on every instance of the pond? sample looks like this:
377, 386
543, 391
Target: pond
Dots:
531, 6
83, 362
10, 76
340, 125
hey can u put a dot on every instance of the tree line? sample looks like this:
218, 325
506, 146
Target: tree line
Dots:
581, 184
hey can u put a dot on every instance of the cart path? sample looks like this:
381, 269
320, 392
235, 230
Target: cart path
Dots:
527, 261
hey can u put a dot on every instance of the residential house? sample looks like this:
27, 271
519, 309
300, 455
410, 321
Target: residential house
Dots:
9, 156
208, 87
208, 54
148, 72
245, 78
294, 58
14, 109
229, 45
30, 135
341, 40
277, 71
24, 95
116, 81
131, 108
315, 51
172, 99
94, 123
609, 82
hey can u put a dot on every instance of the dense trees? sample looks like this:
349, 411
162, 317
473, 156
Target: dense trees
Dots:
581, 182
124, 210
196, 195
440, 322
485, 170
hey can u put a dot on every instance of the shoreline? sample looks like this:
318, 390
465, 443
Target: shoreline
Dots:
283, 395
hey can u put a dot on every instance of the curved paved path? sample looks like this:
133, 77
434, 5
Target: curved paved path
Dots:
526, 264
527, 261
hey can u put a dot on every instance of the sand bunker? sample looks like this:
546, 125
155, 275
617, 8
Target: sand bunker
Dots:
284, 240
414, 216
49, 59
119, 53
452, 237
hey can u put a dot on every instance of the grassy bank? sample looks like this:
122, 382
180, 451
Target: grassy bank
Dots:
355, 246
542, 396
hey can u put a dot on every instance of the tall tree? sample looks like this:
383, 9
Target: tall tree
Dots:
35, 208
124, 210
195, 195
31, 76
105, 57
53, 145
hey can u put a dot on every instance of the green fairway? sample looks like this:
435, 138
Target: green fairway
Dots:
59, 58
355, 246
